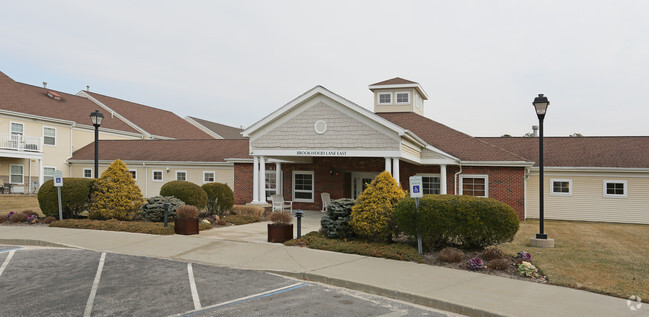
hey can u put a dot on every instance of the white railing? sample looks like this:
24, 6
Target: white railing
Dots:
20, 143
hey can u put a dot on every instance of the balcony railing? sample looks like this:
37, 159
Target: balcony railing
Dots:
18, 142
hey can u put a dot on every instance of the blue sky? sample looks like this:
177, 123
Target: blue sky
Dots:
234, 62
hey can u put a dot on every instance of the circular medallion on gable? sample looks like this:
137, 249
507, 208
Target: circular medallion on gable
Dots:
320, 127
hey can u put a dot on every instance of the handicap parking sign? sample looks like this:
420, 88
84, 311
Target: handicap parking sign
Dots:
415, 187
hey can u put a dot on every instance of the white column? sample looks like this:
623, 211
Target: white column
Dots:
40, 172
388, 165
278, 178
395, 169
262, 179
255, 179
442, 179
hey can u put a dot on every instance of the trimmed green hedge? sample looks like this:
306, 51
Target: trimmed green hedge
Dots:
463, 221
189, 193
75, 195
220, 198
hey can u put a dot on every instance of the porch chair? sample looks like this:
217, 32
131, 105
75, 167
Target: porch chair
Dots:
2, 185
279, 204
326, 200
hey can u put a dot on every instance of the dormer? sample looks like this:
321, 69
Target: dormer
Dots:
398, 95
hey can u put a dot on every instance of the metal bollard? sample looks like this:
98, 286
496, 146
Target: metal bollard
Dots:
298, 215
165, 205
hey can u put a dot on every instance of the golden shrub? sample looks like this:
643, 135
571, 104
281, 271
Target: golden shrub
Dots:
116, 196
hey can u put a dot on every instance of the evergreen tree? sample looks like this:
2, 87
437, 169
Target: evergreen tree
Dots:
116, 196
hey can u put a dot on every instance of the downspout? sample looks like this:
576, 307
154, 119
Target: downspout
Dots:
455, 178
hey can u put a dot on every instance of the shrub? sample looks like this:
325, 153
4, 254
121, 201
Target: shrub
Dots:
153, 208
49, 219
19, 217
373, 216
30, 213
464, 221
221, 222
189, 193
335, 223
248, 210
220, 197
476, 264
500, 264
115, 196
75, 195
281, 217
492, 254
451, 255
187, 211
239, 219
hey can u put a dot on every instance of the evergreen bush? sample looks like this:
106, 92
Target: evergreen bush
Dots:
153, 208
75, 195
220, 198
188, 192
373, 216
115, 196
335, 223
462, 221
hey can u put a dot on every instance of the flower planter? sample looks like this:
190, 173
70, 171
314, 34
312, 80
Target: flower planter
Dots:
280, 233
186, 226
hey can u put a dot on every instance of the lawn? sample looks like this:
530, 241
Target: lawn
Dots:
600, 257
18, 203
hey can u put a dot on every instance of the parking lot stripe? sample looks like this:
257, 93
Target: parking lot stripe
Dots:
243, 299
95, 285
192, 285
5, 250
6, 262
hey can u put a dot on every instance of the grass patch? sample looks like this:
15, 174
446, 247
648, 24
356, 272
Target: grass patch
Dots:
241, 219
395, 251
604, 258
125, 226
18, 203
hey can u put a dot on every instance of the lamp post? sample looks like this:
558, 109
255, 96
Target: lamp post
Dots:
96, 117
541, 105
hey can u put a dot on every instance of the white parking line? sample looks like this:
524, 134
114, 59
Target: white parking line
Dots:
6, 262
192, 285
95, 285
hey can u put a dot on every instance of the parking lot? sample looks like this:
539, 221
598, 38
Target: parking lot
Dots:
71, 282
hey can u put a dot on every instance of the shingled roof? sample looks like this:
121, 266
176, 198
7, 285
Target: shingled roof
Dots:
394, 81
206, 150
612, 151
28, 99
153, 120
456, 143
224, 131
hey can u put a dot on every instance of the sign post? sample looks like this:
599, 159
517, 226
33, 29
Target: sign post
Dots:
416, 186
58, 183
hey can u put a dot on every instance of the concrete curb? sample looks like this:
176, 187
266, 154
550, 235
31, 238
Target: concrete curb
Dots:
38, 243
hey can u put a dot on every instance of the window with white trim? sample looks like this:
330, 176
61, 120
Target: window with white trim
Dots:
87, 173
16, 174
474, 185
133, 174
48, 173
615, 188
49, 136
208, 177
385, 98
181, 175
17, 129
157, 176
430, 183
561, 187
303, 186
403, 97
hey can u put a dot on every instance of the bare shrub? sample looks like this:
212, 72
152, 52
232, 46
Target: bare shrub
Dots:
451, 255
500, 264
248, 210
187, 211
492, 254
19, 217
49, 220
281, 217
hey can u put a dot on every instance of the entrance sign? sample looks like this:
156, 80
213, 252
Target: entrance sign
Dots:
416, 187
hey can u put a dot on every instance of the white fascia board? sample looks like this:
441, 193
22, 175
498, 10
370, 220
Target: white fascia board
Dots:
113, 112
439, 162
498, 163
591, 169
312, 93
149, 163
310, 153
203, 128
239, 160
21, 154
442, 153
412, 137
35, 117
399, 86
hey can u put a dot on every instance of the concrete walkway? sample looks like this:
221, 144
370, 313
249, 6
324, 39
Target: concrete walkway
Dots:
244, 247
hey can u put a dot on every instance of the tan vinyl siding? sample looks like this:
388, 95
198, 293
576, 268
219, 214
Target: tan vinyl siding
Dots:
587, 202
410, 151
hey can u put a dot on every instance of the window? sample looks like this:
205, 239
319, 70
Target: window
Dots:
615, 188
17, 129
16, 174
49, 136
181, 175
271, 183
48, 173
474, 185
385, 98
561, 187
208, 177
87, 173
431, 184
303, 186
157, 176
133, 174
403, 97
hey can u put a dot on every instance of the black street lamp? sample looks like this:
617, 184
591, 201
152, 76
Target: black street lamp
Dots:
96, 117
541, 104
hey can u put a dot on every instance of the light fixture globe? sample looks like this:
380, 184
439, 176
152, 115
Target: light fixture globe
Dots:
96, 118
541, 104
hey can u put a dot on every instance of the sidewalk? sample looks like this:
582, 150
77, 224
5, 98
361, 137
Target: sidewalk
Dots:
463, 292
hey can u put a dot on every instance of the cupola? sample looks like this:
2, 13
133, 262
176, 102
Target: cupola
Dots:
398, 95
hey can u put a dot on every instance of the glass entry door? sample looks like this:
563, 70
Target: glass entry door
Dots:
360, 181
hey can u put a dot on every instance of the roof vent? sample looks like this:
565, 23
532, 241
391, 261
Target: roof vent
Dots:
44, 84
53, 95
87, 88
